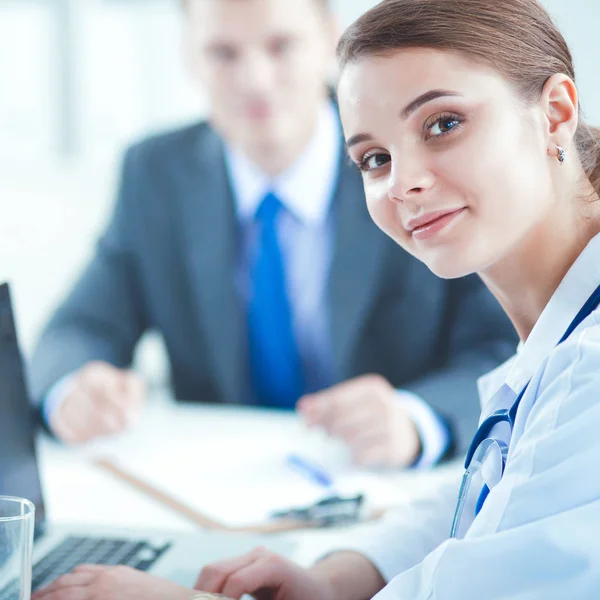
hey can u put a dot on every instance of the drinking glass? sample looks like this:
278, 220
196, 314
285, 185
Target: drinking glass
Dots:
16, 547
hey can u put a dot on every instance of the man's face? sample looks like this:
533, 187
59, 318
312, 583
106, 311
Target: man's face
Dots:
263, 64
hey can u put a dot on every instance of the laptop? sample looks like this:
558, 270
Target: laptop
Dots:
58, 549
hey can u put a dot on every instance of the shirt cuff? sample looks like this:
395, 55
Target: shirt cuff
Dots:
56, 396
433, 431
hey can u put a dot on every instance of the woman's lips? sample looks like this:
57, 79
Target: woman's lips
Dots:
435, 224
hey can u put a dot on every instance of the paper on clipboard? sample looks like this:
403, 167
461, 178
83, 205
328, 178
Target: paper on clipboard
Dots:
249, 480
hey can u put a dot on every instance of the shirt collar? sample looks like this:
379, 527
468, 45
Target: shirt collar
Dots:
306, 188
576, 287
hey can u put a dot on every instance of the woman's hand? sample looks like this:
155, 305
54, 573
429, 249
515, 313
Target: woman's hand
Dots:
268, 576
95, 582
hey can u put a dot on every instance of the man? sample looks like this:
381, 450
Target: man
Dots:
246, 242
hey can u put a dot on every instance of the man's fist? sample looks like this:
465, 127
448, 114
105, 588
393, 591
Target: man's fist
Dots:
366, 414
100, 400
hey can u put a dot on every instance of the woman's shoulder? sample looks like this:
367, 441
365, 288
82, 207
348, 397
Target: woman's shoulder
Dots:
565, 405
571, 375
581, 348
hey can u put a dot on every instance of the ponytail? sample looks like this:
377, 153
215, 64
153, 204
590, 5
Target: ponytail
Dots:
587, 140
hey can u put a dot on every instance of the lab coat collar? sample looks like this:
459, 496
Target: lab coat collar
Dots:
509, 379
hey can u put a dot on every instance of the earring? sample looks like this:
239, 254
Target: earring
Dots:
561, 154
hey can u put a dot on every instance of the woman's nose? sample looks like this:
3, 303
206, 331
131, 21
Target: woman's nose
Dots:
409, 179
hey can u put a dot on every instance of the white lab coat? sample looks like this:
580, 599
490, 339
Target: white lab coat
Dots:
538, 534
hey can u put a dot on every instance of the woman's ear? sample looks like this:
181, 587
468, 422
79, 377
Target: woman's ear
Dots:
560, 103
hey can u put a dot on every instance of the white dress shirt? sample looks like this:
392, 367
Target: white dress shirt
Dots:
305, 234
538, 533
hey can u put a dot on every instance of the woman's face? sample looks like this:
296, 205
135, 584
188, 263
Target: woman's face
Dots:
455, 167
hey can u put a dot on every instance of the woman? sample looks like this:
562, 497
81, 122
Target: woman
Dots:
463, 117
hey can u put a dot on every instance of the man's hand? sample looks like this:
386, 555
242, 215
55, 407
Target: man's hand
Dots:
366, 414
94, 582
101, 400
267, 576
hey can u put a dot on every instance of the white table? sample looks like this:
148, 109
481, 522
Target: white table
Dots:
175, 442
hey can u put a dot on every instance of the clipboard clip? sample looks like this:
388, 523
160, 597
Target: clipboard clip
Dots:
332, 510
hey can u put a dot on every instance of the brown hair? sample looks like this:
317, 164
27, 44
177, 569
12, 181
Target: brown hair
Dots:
325, 3
517, 38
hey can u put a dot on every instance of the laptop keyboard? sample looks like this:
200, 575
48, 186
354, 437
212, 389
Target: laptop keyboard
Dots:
73, 551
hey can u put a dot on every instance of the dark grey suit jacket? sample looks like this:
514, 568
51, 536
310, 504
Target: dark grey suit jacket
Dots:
167, 260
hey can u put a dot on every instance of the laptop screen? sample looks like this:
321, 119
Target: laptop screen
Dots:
19, 475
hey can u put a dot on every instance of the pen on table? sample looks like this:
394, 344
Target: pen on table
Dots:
310, 470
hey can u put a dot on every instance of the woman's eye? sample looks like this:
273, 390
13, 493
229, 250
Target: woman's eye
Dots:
369, 162
443, 125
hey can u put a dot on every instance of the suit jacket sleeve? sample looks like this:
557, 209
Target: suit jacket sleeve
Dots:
479, 337
103, 317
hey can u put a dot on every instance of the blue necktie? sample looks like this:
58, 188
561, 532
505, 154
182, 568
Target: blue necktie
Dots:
275, 363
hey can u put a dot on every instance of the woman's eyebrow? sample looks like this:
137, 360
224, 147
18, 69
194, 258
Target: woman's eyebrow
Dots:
408, 110
411, 107
358, 138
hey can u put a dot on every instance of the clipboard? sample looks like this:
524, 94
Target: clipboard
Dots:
281, 524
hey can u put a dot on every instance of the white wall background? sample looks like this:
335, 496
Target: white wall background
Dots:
124, 80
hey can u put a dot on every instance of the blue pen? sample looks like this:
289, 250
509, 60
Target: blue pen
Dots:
311, 470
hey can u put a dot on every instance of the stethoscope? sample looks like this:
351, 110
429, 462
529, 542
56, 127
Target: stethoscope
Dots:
483, 446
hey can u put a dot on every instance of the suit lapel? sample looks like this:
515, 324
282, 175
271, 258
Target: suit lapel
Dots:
356, 265
210, 228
